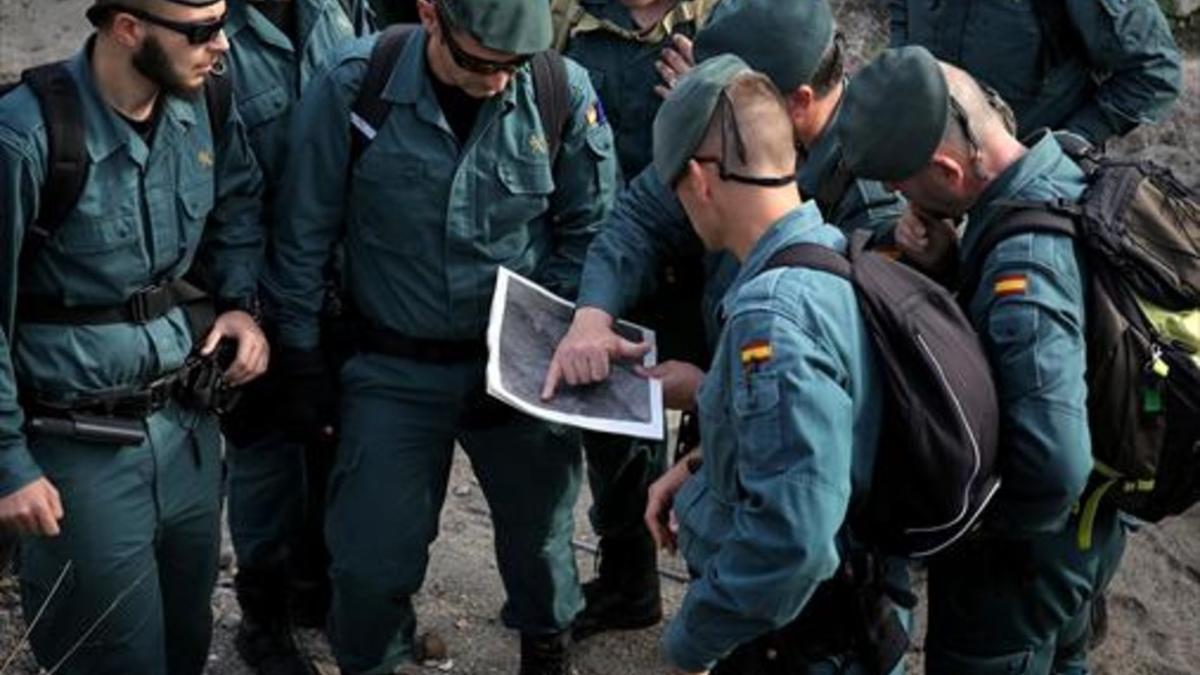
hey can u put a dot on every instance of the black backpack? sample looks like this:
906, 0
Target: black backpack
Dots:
370, 110
66, 144
1138, 228
935, 471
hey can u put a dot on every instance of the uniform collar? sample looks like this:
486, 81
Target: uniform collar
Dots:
106, 131
804, 224
243, 16
822, 158
1044, 157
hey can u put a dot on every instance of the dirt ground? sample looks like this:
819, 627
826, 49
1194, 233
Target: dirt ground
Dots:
1155, 599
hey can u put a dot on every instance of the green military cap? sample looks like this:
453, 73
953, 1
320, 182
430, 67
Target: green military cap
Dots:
783, 39
514, 26
99, 8
894, 115
684, 117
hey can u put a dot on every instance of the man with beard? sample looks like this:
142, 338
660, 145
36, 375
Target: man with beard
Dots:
111, 474
461, 177
277, 479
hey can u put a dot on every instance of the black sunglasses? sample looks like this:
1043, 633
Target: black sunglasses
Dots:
471, 62
196, 33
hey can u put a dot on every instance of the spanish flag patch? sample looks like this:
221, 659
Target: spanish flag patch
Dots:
755, 353
1011, 284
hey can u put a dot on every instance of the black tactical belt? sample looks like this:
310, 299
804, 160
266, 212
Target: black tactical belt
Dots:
379, 340
137, 404
144, 306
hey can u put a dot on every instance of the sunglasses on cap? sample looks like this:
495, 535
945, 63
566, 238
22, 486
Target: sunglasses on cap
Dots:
475, 64
197, 33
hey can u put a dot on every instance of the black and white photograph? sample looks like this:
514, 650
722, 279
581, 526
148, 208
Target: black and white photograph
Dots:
527, 323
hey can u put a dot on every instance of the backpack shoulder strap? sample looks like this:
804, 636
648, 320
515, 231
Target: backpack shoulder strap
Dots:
811, 256
218, 96
370, 110
1024, 217
66, 144
553, 94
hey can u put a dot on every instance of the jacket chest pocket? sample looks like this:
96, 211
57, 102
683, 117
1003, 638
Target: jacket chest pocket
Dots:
263, 107
522, 197
398, 209
194, 204
103, 221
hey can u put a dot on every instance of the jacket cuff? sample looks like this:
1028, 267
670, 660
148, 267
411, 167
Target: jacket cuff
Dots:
1092, 123
17, 469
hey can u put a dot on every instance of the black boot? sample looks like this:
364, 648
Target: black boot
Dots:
545, 655
625, 595
264, 637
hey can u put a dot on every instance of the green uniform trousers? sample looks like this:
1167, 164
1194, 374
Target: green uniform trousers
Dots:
620, 470
266, 499
400, 420
141, 533
1000, 606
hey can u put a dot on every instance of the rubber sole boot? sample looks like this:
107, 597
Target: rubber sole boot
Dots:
626, 594
269, 650
545, 655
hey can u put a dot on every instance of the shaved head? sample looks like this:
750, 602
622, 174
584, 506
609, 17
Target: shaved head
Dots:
753, 111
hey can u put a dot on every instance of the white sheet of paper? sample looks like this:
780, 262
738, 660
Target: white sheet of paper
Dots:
527, 322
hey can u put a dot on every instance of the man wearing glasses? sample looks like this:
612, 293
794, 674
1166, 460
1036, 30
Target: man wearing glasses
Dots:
790, 407
458, 180
121, 530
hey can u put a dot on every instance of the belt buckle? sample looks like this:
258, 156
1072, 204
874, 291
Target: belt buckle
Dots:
144, 306
139, 306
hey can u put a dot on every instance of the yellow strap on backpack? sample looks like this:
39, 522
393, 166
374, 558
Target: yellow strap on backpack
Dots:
1181, 328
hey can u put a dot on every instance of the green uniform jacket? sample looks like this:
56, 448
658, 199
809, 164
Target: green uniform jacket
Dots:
428, 220
1119, 65
620, 60
648, 227
269, 72
140, 220
790, 412
1035, 341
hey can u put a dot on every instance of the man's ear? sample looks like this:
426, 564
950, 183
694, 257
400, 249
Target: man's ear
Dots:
949, 169
427, 14
125, 29
799, 102
698, 180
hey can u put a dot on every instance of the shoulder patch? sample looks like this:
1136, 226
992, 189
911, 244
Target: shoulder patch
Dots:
755, 353
1011, 284
595, 114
